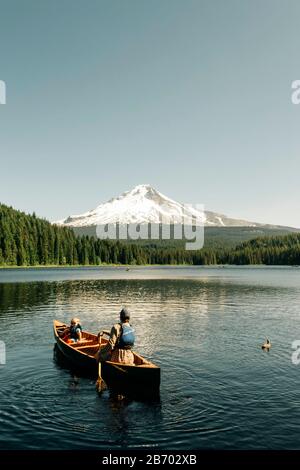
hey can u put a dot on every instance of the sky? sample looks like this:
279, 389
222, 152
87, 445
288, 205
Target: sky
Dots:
190, 96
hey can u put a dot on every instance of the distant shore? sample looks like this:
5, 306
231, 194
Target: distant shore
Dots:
104, 265
132, 266
75, 266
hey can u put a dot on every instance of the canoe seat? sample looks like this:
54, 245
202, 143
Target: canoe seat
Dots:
81, 343
90, 349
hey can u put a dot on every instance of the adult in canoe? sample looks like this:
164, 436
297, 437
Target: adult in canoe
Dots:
120, 343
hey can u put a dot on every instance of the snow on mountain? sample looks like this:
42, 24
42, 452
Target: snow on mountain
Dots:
143, 205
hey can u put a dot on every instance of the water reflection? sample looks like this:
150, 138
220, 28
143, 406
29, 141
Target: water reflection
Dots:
25, 297
205, 332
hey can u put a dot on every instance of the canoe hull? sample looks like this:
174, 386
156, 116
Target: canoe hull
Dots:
143, 376
83, 363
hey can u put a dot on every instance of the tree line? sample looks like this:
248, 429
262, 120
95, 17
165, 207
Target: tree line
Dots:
26, 240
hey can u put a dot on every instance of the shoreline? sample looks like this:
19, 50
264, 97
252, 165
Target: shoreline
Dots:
135, 266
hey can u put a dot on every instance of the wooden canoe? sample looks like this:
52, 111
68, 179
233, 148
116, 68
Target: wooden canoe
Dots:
143, 375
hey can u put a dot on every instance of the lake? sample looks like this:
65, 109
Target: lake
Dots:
204, 326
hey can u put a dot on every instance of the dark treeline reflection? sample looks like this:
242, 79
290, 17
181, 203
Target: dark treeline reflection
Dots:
23, 296
114, 292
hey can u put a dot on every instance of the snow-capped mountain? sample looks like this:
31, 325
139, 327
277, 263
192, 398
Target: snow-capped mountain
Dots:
143, 205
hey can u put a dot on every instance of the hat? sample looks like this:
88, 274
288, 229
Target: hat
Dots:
124, 314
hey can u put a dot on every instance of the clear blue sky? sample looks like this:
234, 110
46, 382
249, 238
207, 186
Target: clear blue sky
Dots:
190, 96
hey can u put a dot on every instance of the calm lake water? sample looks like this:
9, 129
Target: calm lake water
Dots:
203, 326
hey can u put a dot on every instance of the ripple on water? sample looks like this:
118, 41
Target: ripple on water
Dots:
218, 387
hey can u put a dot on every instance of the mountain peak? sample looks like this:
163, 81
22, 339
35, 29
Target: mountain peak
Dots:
144, 190
143, 205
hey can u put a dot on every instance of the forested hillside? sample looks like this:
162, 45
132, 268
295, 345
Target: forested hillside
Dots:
284, 250
26, 240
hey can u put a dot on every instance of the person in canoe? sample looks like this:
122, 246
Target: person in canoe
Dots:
120, 343
72, 333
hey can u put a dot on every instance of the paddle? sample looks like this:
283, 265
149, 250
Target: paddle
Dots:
100, 384
99, 380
